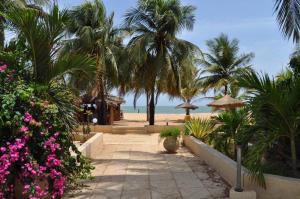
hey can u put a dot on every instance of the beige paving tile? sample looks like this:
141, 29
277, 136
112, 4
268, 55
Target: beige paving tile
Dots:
136, 168
136, 194
165, 195
217, 192
195, 193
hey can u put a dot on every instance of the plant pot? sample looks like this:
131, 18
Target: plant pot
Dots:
171, 144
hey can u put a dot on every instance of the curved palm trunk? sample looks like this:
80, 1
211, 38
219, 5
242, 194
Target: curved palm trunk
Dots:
152, 108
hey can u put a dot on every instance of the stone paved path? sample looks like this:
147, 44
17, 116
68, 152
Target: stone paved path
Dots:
144, 171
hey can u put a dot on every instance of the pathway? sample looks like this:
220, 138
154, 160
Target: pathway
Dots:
128, 168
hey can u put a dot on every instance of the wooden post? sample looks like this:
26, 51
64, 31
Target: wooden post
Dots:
111, 115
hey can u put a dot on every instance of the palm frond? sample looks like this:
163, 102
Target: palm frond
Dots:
288, 17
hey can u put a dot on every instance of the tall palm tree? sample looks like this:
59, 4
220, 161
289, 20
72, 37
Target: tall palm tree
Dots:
96, 35
288, 17
154, 46
223, 63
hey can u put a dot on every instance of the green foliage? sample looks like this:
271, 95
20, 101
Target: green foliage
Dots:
46, 31
170, 132
156, 52
94, 34
223, 63
200, 128
288, 18
275, 110
295, 65
232, 127
53, 112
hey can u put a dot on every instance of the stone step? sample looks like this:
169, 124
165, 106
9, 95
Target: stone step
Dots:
128, 130
120, 139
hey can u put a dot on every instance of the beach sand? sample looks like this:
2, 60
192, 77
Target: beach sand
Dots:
137, 119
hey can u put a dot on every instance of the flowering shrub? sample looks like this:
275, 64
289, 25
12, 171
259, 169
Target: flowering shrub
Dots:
34, 143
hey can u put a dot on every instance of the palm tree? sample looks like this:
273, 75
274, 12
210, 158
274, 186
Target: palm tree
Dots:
288, 18
46, 32
223, 64
154, 46
191, 87
95, 35
274, 107
4, 6
231, 128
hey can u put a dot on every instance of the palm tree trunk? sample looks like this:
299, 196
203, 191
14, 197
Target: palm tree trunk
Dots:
226, 89
2, 36
102, 111
147, 105
152, 108
187, 111
293, 154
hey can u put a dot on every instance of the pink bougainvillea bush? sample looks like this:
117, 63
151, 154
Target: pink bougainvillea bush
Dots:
34, 143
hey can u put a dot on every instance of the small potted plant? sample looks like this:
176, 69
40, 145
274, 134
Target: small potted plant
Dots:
171, 142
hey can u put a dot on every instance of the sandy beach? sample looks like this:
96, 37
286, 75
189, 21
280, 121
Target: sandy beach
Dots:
164, 117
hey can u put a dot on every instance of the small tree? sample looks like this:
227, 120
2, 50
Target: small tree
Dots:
223, 63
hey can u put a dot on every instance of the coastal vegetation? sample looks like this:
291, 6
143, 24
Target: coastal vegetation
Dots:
156, 50
58, 56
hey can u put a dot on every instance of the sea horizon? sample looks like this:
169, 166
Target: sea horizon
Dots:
164, 109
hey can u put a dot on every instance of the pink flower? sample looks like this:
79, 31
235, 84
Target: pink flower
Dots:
3, 67
24, 129
28, 117
56, 134
2, 149
13, 70
26, 186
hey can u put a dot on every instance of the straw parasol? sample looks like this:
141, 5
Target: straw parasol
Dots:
187, 105
226, 102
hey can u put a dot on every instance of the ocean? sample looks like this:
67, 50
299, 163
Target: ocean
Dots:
164, 109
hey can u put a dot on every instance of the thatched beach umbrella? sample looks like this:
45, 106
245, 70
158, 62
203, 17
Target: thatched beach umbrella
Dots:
187, 106
226, 103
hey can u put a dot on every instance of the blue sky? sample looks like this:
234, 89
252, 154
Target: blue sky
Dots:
251, 22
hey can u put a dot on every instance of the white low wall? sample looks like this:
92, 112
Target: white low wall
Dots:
92, 146
278, 187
